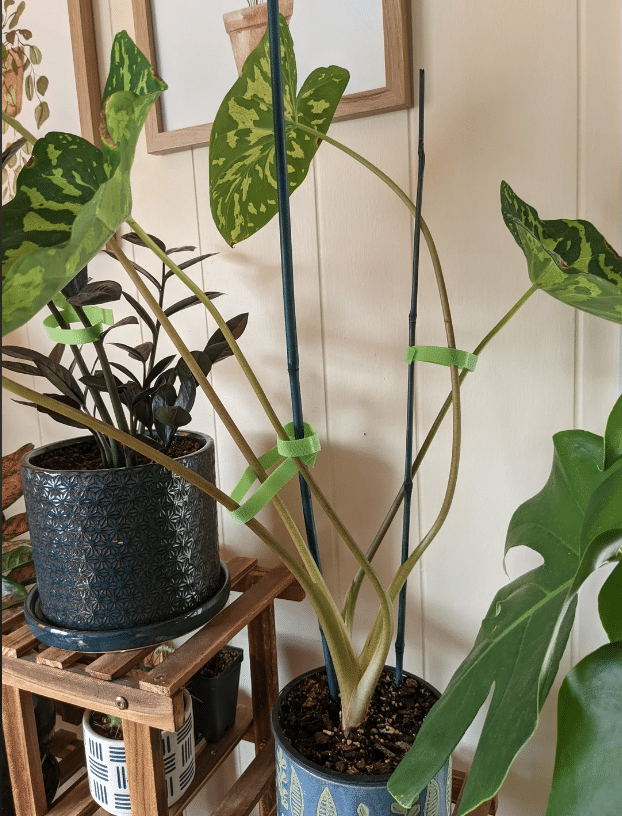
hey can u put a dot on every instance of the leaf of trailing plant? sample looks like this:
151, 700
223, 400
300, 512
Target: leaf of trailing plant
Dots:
42, 85
12, 150
243, 193
570, 260
15, 557
62, 420
12, 593
126, 371
610, 604
522, 638
14, 526
196, 260
72, 197
158, 368
42, 113
29, 87
613, 435
97, 292
587, 777
135, 239
236, 326
141, 312
189, 301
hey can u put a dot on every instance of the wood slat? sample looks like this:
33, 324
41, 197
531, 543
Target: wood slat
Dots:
179, 667
11, 618
58, 658
210, 757
18, 643
22, 752
293, 592
76, 801
251, 785
239, 567
115, 664
74, 686
146, 781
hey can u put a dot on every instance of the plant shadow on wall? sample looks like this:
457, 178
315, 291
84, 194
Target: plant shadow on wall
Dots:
574, 522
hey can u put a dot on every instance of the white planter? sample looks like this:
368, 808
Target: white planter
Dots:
107, 769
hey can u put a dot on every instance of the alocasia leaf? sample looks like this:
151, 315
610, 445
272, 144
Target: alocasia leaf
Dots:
72, 197
570, 260
243, 191
575, 523
587, 775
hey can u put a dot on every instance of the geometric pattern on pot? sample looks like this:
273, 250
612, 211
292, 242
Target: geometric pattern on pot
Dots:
306, 789
120, 548
107, 767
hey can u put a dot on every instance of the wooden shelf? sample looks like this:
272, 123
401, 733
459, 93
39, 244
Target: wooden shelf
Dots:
147, 705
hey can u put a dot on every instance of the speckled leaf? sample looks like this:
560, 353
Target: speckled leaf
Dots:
575, 523
568, 259
16, 556
243, 191
72, 197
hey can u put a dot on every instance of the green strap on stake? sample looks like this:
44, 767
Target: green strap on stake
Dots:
78, 337
441, 356
285, 451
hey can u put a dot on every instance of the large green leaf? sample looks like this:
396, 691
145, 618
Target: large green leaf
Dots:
613, 435
243, 192
72, 197
587, 776
568, 259
610, 604
575, 523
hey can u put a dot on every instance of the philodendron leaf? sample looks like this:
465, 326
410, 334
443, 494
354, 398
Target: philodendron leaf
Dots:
243, 192
575, 523
610, 604
72, 197
568, 259
587, 776
613, 435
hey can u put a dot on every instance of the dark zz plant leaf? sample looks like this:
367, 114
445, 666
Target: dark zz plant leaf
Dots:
61, 378
135, 239
72, 197
77, 284
126, 321
196, 260
187, 391
141, 409
203, 361
189, 301
165, 395
180, 249
570, 260
141, 312
219, 351
172, 415
236, 326
140, 269
97, 381
140, 353
241, 154
62, 420
152, 441
56, 355
97, 292
22, 368
126, 371
158, 368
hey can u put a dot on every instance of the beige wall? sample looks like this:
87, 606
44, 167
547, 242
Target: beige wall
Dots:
528, 92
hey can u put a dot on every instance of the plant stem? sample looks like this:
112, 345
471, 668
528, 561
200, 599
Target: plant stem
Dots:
19, 128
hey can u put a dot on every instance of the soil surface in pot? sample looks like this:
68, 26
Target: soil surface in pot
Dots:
86, 456
106, 726
311, 722
217, 664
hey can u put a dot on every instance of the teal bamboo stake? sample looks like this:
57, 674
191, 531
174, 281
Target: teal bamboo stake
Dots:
289, 303
412, 324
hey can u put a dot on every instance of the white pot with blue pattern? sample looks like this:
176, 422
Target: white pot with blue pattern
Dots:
107, 768
307, 789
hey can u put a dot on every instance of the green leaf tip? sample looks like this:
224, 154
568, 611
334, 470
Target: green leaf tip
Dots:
243, 194
570, 260
72, 197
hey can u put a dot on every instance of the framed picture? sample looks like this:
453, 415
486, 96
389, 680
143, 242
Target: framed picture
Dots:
188, 46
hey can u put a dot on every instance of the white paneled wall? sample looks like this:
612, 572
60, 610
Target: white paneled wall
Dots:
528, 92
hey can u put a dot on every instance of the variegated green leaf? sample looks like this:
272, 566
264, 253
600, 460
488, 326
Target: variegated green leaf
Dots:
326, 805
243, 190
570, 260
72, 197
16, 557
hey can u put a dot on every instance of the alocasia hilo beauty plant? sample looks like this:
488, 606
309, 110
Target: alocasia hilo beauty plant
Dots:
530, 619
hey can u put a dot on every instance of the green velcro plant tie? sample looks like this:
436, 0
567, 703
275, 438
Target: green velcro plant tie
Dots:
285, 451
85, 334
441, 356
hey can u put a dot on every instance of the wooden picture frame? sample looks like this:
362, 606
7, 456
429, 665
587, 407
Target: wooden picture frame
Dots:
84, 48
397, 94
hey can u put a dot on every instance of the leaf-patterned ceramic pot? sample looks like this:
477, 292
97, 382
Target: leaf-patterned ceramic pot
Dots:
121, 548
307, 789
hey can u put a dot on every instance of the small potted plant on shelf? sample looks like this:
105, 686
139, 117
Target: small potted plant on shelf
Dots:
214, 692
246, 27
568, 259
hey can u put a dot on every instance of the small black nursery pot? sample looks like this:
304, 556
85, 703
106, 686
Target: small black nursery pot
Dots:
215, 698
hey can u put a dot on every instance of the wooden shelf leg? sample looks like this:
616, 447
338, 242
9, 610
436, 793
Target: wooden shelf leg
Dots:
22, 752
145, 769
265, 682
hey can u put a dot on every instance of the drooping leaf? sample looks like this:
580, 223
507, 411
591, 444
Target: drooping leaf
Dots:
570, 260
188, 301
587, 776
243, 193
522, 638
187, 392
29, 87
173, 415
610, 604
73, 197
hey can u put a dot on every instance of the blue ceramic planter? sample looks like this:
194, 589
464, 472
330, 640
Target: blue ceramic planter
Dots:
306, 789
118, 549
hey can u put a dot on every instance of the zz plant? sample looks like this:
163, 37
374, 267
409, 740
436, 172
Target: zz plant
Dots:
575, 522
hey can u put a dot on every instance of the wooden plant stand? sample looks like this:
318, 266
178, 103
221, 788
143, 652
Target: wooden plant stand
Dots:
78, 680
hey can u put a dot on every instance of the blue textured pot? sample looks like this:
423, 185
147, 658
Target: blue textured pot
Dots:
307, 789
121, 548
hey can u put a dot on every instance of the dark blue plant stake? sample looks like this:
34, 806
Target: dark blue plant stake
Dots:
287, 270
412, 323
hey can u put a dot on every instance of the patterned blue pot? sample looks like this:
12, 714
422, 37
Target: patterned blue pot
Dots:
117, 549
307, 789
